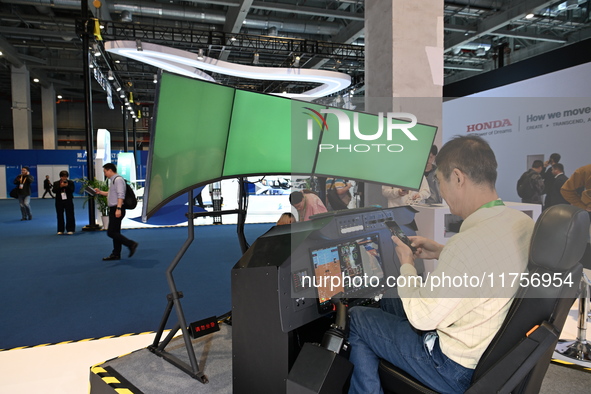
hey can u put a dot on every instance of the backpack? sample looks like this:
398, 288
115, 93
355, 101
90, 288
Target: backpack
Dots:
524, 188
130, 200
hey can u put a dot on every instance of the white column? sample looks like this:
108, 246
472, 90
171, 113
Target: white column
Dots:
21, 108
49, 118
404, 58
404, 63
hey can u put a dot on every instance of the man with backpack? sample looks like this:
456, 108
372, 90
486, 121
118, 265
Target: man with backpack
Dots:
530, 186
115, 200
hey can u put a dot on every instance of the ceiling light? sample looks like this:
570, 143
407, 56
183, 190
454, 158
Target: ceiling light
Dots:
233, 38
59, 96
155, 78
110, 76
1, 53
185, 63
296, 62
35, 79
117, 61
96, 50
529, 16
122, 94
255, 59
572, 4
200, 54
117, 86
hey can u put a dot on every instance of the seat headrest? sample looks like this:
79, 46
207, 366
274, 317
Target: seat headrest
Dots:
560, 237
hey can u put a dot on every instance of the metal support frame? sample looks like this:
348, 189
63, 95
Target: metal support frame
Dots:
579, 349
189, 38
174, 298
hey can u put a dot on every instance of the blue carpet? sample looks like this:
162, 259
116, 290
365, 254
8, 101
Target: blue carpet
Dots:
56, 287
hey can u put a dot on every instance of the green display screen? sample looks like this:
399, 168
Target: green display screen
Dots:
259, 137
189, 137
203, 132
374, 154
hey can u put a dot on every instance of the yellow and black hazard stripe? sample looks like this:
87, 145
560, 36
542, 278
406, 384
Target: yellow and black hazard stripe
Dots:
80, 340
568, 364
109, 377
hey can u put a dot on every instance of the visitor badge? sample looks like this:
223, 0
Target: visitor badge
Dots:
20, 186
64, 196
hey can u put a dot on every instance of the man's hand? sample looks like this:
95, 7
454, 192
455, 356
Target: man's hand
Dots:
402, 192
426, 248
117, 213
415, 196
403, 251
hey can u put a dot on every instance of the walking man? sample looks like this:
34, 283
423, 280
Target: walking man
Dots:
115, 197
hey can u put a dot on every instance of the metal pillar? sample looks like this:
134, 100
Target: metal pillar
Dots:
85, 28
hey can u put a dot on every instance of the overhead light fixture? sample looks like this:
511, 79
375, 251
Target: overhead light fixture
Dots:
110, 76
529, 16
91, 65
200, 54
296, 62
96, 50
36, 80
117, 86
117, 61
232, 38
155, 78
1, 53
122, 94
572, 4
255, 59
185, 63
59, 96
138, 45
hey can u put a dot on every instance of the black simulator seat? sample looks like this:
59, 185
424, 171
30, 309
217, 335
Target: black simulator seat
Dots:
519, 355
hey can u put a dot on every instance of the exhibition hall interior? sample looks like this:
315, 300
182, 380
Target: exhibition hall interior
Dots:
194, 197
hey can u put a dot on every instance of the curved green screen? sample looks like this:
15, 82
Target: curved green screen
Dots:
204, 132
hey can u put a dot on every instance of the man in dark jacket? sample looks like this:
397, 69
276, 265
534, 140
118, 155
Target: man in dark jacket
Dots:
554, 197
47, 186
23, 182
530, 186
547, 174
64, 203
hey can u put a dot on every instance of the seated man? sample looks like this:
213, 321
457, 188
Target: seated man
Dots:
307, 204
437, 334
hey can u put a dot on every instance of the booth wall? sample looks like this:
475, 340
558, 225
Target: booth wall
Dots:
538, 116
75, 160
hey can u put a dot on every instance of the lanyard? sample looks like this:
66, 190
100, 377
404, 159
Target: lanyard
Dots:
494, 203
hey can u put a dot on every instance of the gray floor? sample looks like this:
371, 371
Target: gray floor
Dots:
154, 375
